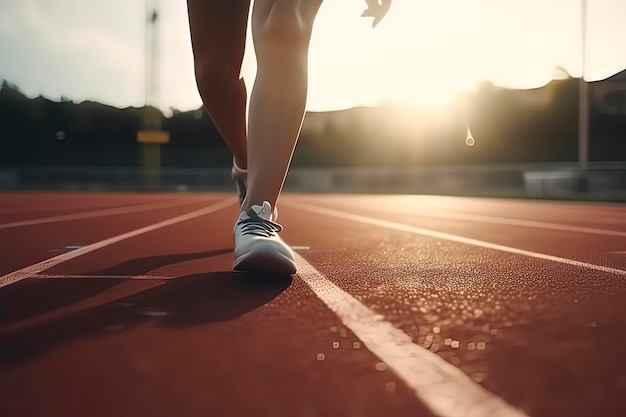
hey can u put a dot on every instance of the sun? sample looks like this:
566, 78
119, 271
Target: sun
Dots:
411, 57
423, 52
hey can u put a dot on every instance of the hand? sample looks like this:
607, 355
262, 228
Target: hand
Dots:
376, 9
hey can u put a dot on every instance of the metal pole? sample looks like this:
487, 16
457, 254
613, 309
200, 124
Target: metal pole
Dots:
151, 135
151, 53
583, 99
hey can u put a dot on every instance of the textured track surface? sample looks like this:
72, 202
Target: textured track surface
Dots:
525, 298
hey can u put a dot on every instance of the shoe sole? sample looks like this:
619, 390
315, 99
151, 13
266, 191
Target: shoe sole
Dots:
265, 260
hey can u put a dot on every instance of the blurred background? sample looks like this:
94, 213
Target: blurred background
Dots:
466, 98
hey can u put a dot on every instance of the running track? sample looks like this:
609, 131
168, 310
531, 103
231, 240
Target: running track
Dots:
125, 305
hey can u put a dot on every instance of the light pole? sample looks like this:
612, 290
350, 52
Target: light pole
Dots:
583, 100
152, 136
152, 53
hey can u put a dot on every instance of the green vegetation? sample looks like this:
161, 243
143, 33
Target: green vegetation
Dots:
509, 126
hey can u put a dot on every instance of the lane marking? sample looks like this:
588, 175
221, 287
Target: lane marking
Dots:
523, 223
49, 263
124, 277
450, 237
442, 387
300, 247
509, 222
97, 213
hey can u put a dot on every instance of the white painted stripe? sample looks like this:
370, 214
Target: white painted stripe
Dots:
97, 213
49, 263
453, 238
512, 222
445, 389
129, 277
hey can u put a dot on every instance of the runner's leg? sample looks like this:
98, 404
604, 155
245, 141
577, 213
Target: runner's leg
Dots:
281, 30
218, 37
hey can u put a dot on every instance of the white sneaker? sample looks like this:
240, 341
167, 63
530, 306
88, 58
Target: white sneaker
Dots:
258, 248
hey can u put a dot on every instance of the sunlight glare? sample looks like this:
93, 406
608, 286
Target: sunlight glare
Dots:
425, 53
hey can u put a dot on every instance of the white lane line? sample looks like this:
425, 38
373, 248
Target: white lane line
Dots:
442, 387
124, 277
507, 221
49, 263
450, 237
97, 213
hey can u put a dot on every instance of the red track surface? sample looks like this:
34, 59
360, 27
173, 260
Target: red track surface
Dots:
158, 325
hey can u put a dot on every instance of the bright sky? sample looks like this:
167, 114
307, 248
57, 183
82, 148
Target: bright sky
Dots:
423, 52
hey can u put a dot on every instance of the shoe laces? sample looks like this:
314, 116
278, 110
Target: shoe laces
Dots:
258, 226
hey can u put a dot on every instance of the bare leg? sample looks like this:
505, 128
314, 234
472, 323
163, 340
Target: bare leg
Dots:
218, 37
281, 30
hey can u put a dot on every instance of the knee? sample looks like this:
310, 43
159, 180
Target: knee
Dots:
287, 25
214, 72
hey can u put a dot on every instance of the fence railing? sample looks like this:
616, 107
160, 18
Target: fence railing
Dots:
556, 180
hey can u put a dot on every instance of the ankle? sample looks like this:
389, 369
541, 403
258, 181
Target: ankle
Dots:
240, 167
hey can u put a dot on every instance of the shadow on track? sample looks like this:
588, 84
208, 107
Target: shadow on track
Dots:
31, 298
176, 303
146, 264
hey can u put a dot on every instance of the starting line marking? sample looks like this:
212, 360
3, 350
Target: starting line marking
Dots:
453, 238
34, 269
442, 387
